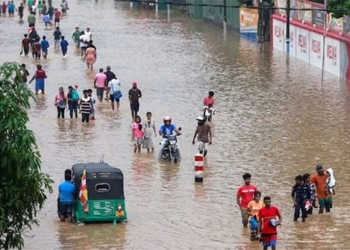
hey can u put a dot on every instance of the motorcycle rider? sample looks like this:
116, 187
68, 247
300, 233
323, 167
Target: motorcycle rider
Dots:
167, 129
203, 131
209, 100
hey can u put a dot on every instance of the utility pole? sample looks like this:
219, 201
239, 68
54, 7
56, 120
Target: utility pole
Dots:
288, 26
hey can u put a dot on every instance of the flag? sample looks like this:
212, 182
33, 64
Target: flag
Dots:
83, 194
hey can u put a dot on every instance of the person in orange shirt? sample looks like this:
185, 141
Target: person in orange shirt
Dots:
320, 180
253, 210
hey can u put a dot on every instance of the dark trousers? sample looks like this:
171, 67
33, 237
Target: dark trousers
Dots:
26, 50
297, 208
73, 107
60, 112
85, 117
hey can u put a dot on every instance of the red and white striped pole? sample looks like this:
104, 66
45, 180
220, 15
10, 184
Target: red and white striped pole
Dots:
198, 168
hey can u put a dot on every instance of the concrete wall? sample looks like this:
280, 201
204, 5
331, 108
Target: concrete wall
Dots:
216, 14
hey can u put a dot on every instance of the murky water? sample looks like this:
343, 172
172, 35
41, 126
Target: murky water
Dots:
274, 120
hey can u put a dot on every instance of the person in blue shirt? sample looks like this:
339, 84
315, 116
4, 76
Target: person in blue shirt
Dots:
11, 8
66, 197
167, 129
64, 46
44, 47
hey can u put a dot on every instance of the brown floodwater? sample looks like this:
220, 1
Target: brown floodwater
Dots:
275, 119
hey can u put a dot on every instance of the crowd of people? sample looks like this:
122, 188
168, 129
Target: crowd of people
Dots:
263, 218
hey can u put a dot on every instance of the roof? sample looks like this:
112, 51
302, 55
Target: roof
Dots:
96, 168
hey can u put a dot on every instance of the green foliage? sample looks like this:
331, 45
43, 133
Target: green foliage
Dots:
22, 184
339, 8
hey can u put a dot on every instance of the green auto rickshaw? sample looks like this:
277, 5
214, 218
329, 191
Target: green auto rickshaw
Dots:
99, 193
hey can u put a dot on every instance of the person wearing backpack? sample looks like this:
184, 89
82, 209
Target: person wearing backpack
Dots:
60, 103
73, 99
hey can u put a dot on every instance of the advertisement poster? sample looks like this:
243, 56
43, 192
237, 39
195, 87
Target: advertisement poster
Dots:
249, 22
318, 17
332, 56
335, 23
292, 42
281, 4
305, 15
303, 46
278, 35
316, 49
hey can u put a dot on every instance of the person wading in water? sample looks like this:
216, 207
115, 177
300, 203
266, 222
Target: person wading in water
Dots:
134, 96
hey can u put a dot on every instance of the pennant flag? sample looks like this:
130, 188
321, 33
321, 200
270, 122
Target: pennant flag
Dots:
83, 194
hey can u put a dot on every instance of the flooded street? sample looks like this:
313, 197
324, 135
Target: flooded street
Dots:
274, 119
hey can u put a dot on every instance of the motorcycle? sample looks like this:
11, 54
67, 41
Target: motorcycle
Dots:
171, 151
208, 113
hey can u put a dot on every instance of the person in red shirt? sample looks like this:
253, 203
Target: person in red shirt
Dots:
245, 194
269, 218
209, 100
25, 44
58, 17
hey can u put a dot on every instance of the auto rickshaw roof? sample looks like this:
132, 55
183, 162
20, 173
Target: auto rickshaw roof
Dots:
78, 169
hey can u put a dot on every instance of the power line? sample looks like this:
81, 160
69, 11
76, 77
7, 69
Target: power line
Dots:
233, 6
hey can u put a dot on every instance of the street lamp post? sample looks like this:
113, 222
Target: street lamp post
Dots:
288, 26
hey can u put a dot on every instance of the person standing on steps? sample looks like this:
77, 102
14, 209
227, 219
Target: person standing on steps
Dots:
134, 96
245, 194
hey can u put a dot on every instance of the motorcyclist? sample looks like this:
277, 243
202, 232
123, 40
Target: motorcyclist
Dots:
167, 129
203, 131
209, 100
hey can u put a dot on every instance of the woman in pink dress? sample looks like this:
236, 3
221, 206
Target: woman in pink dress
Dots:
137, 134
90, 57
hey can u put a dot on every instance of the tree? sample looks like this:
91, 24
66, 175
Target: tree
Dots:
22, 184
339, 8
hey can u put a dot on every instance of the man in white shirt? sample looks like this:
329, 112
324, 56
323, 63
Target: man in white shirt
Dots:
84, 39
88, 34
114, 90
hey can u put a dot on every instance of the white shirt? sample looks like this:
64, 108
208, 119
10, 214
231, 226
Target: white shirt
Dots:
114, 86
88, 34
85, 38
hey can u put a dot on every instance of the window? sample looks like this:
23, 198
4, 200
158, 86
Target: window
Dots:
102, 187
